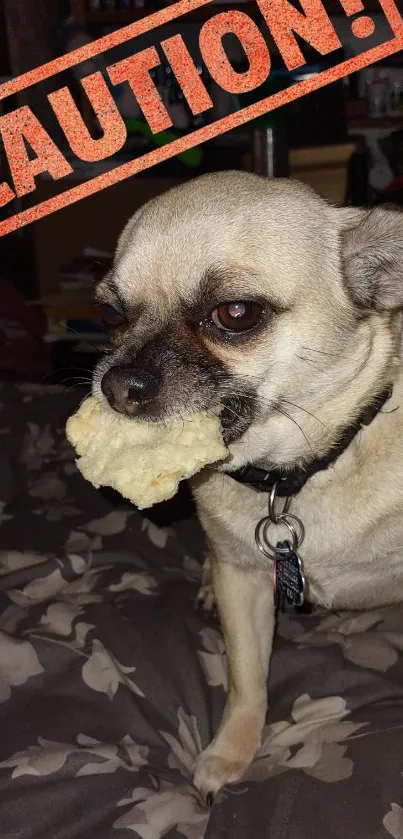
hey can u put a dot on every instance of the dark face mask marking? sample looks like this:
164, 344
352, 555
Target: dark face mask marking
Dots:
190, 378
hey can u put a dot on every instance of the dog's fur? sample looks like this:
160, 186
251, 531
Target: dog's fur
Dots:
330, 281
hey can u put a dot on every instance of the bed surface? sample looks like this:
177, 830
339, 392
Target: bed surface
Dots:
111, 683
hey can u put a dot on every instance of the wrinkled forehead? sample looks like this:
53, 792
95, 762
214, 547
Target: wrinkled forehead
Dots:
176, 258
170, 253
170, 262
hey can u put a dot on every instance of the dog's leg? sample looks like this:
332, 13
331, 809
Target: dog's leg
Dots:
246, 608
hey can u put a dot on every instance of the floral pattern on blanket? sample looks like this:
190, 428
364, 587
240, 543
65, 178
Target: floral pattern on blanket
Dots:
111, 683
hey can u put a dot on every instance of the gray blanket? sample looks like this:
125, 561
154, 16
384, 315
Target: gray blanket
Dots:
111, 683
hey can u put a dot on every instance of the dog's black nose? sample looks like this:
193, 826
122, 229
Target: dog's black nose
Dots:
128, 389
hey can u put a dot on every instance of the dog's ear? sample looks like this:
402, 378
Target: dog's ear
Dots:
372, 257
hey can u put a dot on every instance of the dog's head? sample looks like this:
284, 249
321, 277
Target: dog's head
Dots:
257, 299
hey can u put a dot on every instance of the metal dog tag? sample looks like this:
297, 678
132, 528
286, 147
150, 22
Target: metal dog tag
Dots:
289, 580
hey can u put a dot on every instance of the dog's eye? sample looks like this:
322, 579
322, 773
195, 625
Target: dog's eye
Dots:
110, 317
238, 316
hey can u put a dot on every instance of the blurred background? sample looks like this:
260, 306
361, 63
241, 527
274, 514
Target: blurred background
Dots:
345, 140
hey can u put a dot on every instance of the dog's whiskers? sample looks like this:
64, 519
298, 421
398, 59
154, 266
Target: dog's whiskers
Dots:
238, 416
312, 364
310, 414
285, 414
323, 352
279, 410
286, 401
78, 379
83, 399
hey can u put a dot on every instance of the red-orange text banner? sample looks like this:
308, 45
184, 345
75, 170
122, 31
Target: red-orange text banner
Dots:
31, 151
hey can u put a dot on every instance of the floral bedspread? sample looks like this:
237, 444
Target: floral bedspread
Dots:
111, 683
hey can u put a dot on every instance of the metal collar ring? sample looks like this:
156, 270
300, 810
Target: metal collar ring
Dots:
273, 516
267, 547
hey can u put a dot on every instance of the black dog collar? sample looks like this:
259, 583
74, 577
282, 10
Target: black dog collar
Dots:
290, 483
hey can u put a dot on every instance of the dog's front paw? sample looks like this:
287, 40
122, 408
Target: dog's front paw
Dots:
213, 771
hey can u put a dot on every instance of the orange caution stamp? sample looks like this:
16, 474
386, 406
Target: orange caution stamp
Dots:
30, 150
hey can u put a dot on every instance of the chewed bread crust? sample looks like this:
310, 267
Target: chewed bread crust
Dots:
144, 461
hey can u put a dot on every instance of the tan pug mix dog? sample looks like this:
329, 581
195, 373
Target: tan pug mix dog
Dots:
260, 297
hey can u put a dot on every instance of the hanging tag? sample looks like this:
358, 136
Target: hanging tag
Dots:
289, 580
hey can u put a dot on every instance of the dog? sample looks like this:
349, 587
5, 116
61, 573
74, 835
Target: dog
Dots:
259, 299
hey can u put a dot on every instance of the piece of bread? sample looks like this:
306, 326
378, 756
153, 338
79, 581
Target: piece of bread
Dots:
144, 461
